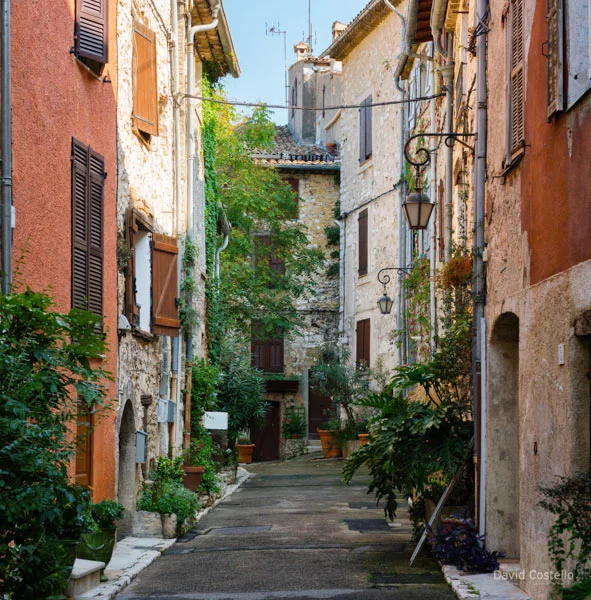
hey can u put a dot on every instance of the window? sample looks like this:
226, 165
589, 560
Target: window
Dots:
362, 223
84, 445
151, 302
264, 256
516, 96
365, 130
294, 98
267, 355
577, 41
554, 55
88, 176
363, 343
145, 80
91, 31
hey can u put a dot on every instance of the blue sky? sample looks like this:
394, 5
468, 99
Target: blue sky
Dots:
261, 57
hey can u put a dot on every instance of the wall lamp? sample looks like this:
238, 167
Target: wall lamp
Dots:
385, 303
417, 206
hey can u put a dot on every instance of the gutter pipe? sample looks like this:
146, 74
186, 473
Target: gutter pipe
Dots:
6, 117
479, 273
433, 229
191, 158
448, 78
227, 230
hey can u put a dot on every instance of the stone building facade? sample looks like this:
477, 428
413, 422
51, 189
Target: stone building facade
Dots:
370, 171
158, 215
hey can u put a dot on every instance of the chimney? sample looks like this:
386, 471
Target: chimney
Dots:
302, 50
337, 29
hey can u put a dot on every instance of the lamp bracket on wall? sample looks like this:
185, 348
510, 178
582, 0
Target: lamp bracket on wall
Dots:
385, 279
422, 156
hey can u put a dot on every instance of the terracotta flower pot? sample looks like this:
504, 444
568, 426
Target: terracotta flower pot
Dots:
193, 477
245, 453
364, 438
330, 443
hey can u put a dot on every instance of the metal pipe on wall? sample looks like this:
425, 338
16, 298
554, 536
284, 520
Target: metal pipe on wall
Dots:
6, 117
432, 227
448, 78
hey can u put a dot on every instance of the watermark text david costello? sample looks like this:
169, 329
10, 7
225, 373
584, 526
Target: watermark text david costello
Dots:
522, 575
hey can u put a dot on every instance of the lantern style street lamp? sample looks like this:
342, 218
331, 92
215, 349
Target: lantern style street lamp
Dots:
417, 209
385, 303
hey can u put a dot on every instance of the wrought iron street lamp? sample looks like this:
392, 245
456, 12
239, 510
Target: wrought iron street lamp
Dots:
417, 206
385, 303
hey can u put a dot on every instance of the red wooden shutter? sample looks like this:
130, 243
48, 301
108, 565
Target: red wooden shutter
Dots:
145, 80
165, 314
363, 344
362, 221
517, 80
92, 30
88, 176
554, 56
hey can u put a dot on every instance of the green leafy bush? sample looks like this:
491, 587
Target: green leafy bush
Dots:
570, 536
46, 360
106, 513
201, 454
294, 423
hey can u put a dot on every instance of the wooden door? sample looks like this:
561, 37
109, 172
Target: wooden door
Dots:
320, 409
266, 437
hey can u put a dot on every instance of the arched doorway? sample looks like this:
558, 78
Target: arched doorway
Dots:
127, 467
503, 481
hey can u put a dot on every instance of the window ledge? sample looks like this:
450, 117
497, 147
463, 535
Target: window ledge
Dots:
512, 165
366, 164
143, 335
90, 71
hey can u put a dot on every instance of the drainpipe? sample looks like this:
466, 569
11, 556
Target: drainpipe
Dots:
6, 116
433, 229
448, 78
479, 274
227, 230
191, 158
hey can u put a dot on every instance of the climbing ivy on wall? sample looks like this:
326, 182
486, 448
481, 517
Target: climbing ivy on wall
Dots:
257, 202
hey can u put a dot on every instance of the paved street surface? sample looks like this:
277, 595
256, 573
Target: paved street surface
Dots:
294, 530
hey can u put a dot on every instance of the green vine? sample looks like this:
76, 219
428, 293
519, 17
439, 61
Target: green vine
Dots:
188, 314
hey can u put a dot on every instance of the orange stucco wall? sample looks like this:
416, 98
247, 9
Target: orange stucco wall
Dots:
555, 182
55, 99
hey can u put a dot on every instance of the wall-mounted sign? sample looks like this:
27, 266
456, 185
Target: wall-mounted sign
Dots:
141, 447
215, 420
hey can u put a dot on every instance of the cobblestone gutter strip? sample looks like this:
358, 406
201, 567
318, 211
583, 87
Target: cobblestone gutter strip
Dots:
132, 555
484, 587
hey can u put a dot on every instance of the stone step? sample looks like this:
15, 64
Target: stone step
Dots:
85, 576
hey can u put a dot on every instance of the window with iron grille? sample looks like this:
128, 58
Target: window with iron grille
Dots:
88, 176
516, 83
554, 49
91, 33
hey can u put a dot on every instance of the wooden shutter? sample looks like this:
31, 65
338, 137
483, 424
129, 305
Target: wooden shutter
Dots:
84, 446
145, 80
131, 309
517, 80
165, 313
275, 354
362, 136
368, 128
554, 55
362, 222
363, 342
88, 176
92, 30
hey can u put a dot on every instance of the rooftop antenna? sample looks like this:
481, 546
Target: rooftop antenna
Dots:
275, 29
310, 34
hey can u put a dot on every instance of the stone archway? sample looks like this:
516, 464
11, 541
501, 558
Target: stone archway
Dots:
126, 491
503, 465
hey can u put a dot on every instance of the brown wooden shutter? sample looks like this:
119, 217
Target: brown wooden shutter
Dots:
131, 309
84, 446
517, 81
275, 352
362, 222
165, 313
88, 174
92, 30
145, 80
554, 55
258, 354
363, 354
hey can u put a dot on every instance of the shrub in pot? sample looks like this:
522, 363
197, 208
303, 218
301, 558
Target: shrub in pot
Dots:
329, 438
200, 457
245, 448
294, 424
100, 543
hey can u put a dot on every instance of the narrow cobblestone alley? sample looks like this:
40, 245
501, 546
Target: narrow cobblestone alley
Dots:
293, 530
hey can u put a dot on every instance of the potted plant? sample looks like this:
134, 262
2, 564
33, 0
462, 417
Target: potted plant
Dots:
245, 448
100, 543
294, 425
329, 438
192, 470
76, 520
200, 466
